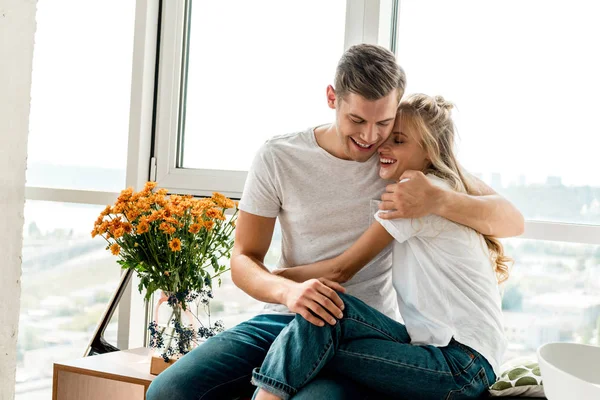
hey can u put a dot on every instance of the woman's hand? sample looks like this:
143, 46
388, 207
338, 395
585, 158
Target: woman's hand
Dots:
316, 300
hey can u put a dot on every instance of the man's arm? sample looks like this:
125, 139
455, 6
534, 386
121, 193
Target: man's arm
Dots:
343, 267
488, 212
314, 297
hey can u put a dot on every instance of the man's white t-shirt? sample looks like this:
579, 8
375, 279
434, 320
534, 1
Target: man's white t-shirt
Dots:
323, 204
446, 284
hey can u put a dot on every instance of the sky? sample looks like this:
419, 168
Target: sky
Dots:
523, 75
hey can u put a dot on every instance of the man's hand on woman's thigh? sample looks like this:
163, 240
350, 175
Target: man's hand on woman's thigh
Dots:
316, 300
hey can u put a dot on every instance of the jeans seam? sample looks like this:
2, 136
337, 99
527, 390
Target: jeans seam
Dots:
470, 383
318, 362
390, 336
222, 384
472, 356
383, 360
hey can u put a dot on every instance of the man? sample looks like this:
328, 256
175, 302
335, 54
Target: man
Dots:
321, 184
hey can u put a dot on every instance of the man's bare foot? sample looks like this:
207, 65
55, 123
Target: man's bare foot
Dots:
264, 395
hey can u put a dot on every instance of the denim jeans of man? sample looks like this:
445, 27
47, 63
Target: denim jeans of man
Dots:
221, 367
373, 350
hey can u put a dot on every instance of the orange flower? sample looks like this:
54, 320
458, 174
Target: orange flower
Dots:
132, 214
204, 204
105, 212
94, 233
103, 227
175, 244
209, 225
125, 195
195, 228
222, 201
215, 213
118, 232
143, 228
149, 187
167, 228
127, 227
115, 249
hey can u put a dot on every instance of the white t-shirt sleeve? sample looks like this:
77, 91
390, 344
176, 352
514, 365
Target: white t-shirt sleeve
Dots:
401, 229
261, 196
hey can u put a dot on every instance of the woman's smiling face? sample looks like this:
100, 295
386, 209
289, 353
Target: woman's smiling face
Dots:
402, 150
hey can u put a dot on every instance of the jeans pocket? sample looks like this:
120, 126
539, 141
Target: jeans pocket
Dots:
473, 389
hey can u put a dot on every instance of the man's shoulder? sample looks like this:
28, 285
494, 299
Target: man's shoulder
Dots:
294, 139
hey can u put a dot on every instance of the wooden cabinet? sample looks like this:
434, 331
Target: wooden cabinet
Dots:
121, 375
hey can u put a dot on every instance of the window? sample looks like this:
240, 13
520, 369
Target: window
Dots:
80, 93
270, 82
524, 82
77, 161
248, 76
67, 280
551, 295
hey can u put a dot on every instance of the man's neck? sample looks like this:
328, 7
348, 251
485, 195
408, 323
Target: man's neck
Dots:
326, 136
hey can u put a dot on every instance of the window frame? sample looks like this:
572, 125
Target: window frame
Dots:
132, 308
156, 95
362, 25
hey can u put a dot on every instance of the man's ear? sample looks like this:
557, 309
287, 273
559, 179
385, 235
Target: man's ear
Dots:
331, 97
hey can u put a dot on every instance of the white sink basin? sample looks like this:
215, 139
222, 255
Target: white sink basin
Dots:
570, 371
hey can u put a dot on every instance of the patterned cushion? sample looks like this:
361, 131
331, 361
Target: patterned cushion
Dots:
520, 378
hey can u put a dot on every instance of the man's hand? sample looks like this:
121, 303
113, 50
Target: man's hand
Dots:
316, 298
415, 197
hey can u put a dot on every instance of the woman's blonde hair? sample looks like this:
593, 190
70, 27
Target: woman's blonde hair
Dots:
430, 118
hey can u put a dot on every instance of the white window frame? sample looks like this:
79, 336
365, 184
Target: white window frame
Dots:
362, 26
366, 22
132, 309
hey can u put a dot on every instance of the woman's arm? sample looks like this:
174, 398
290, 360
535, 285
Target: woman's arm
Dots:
343, 267
488, 212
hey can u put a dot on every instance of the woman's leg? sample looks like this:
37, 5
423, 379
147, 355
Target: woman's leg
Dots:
373, 350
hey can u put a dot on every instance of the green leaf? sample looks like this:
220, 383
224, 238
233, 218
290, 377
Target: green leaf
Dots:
215, 263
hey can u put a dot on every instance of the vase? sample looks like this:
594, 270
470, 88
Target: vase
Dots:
176, 330
173, 331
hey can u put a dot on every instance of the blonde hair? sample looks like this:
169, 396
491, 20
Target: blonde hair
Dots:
430, 118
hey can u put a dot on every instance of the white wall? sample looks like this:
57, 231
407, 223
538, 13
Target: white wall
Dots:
17, 28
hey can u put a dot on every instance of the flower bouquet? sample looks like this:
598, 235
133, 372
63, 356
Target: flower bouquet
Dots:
176, 245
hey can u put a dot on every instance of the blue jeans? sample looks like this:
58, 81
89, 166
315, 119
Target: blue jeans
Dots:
375, 351
221, 367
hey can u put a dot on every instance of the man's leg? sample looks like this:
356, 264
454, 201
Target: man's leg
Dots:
372, 350
330, 386
221, 367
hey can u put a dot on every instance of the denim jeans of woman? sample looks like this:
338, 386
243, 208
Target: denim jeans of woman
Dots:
373, 350
221, 367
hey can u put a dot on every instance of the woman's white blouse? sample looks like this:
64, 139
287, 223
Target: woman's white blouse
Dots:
446, 284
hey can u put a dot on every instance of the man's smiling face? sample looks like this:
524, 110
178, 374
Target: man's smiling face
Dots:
363, 125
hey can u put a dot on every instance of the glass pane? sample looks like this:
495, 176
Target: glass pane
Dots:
79, 119
68, 279
553, 294
231, 304
256, 70
525, 83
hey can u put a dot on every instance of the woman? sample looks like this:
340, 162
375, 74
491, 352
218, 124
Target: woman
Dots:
451, 342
